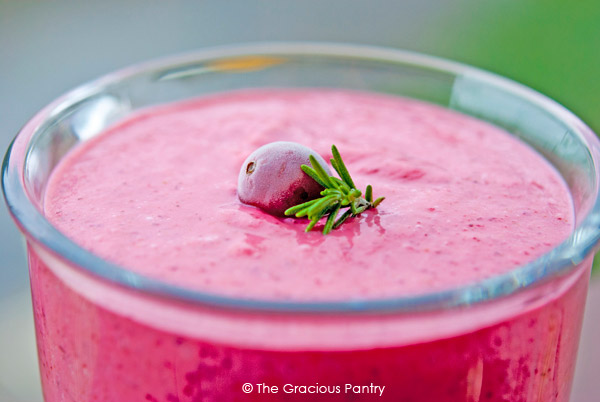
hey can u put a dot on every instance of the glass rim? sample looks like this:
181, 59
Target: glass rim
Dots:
560, 260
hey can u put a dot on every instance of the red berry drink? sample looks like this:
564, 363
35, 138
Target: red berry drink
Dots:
375, 310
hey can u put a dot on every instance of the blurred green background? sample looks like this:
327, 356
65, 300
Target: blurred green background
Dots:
552, 46
47, 48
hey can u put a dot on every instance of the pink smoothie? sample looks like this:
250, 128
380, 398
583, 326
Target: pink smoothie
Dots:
157, 194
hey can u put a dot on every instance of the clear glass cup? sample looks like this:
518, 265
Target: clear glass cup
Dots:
108, 334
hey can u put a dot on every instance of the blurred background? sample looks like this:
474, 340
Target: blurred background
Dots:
47, 48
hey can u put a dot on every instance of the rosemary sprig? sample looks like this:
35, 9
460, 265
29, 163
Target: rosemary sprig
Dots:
338, 193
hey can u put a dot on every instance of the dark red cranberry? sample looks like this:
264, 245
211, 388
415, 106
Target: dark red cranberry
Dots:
272, 180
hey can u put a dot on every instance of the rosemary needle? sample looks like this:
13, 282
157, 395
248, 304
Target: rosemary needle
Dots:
337, 194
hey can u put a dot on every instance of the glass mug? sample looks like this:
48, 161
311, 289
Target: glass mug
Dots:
105, 333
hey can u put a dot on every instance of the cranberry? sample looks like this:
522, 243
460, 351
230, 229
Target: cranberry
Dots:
272, 180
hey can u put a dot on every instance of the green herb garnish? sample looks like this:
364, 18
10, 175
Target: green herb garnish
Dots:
338, 194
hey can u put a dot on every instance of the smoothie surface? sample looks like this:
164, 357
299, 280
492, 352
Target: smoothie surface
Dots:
157, 194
